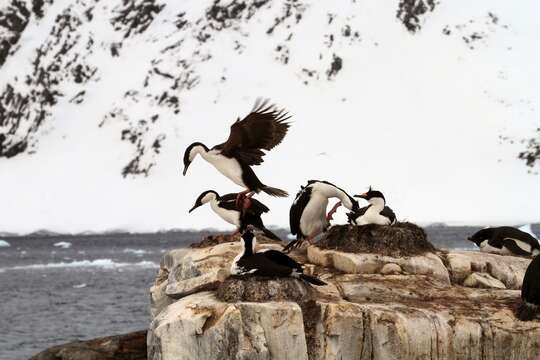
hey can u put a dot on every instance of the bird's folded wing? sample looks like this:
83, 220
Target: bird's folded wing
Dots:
298, 206
513, 246
282, 259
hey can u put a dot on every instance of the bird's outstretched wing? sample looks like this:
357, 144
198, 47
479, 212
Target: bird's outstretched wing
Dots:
263, 129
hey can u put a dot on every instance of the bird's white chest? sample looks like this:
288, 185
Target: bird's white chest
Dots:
230, 216
235, 269
372, 216
230, 167
313, 217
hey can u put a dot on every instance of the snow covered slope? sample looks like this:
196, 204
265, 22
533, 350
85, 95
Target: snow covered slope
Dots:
98, 100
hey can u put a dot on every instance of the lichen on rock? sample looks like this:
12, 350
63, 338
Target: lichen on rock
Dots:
261, 289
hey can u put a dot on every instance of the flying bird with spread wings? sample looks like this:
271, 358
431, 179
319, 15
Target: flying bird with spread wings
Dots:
262, 129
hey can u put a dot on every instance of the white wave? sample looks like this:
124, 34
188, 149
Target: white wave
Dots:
4, 243
63, 244
139, 252
79, 286
98, 263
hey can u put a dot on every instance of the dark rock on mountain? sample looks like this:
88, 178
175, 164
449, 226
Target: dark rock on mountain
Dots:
531, 154
411, 12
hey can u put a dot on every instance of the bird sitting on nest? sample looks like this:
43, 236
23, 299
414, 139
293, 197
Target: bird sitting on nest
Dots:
267, 263
227, 208
375, 213
308, 216
263, 129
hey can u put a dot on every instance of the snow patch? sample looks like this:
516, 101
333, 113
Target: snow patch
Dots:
79, 286
4, 243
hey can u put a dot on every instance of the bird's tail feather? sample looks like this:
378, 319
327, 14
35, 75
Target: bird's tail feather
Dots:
269, 234
274, 191
312, 280
526, 311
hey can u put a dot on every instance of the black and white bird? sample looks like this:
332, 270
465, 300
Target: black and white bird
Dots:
227, 208
530, 292
263, 129
506, 240
375, 213
270, 263
308, 217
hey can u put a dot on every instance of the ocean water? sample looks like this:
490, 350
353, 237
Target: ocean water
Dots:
58, 289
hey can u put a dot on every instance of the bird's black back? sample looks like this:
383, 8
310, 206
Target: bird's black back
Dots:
530, 290
282, 259
503, 232
297, 208
263, 266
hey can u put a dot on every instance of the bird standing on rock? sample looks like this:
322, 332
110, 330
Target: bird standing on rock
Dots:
271, 263
530, 292
264, 128
308, 216
227, 208
375, 213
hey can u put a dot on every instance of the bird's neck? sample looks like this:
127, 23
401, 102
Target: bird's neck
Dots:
214, 204
332, 191
201, 150
247, 249
377, 204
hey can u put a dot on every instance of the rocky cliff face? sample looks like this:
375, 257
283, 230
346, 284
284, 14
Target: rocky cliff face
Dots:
438, 305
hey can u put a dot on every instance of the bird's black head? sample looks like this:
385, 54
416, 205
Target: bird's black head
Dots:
248, 241
192, 151
480, 236
371, 194
205, 197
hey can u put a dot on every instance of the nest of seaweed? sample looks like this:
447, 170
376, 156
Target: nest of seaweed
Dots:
262, 289
212, 240
400, 239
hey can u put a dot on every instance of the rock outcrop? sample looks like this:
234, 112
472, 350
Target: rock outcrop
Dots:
130, 346
435, 305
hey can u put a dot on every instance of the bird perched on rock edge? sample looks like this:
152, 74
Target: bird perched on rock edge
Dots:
227, 208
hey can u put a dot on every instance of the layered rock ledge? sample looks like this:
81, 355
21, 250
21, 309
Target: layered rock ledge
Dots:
430, 305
